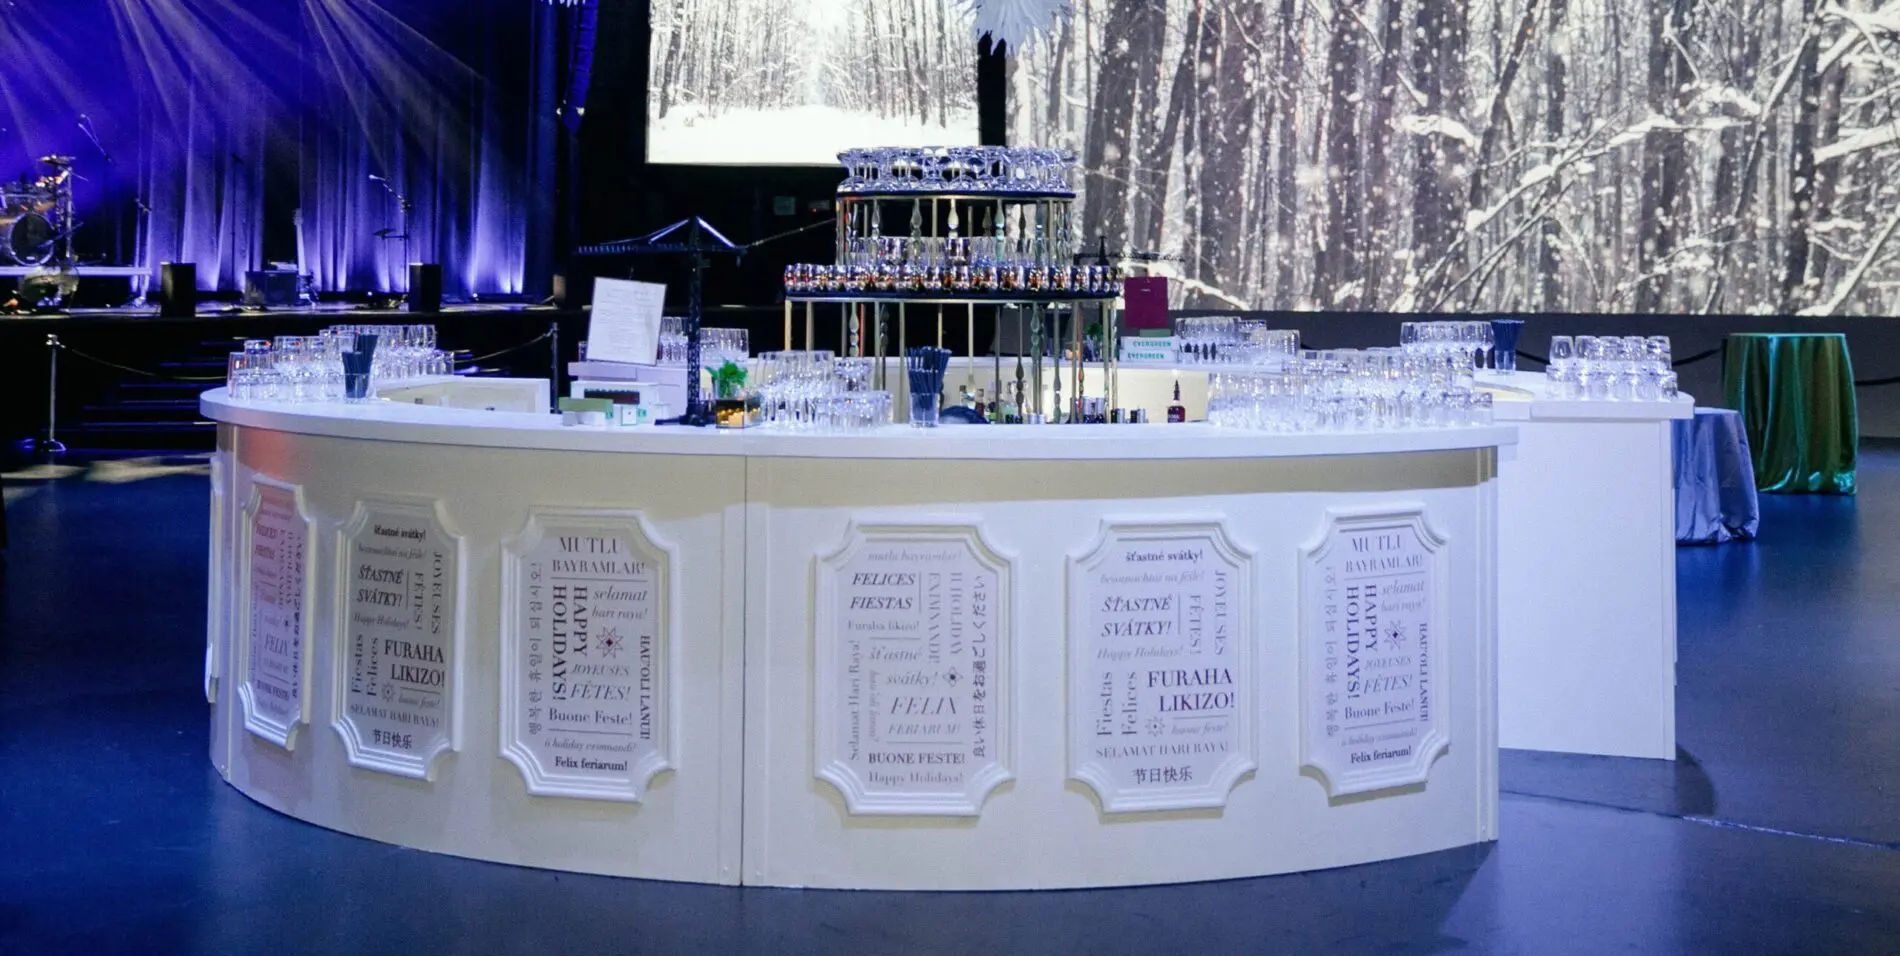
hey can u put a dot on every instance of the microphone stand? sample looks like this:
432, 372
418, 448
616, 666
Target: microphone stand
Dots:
140, 217
404, 206
118, 222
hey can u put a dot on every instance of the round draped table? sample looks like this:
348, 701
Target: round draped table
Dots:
1795, 393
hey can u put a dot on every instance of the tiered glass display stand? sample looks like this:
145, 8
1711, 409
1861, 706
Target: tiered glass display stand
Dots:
865, 314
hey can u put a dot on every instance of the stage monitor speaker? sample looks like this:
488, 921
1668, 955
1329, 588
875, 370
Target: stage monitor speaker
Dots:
178, 290
425, 287
273, 289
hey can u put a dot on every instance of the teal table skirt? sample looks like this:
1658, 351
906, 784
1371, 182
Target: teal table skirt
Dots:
1795, 394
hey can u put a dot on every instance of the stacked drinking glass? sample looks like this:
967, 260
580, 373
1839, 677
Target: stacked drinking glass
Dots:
1350, 390
716, 346
1476, 339
1227, 340
1611, 368
309, 368
958, 169
817, 391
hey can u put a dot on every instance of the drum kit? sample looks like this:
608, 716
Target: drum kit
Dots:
36, 216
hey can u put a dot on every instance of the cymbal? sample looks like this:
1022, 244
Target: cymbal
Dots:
56, 160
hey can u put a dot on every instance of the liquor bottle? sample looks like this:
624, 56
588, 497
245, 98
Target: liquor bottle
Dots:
982, 405
1177, 412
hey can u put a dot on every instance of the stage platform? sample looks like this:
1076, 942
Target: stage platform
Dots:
83, 272
328, 313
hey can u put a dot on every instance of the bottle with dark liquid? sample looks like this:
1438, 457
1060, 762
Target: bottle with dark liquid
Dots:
1177, 412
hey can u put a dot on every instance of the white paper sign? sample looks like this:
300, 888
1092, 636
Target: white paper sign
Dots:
400, 572
912, 685
276, 581
585, 695
625, 325
1160, 666
1371, 622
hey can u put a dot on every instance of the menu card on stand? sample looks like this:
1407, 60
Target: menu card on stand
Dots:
625, 325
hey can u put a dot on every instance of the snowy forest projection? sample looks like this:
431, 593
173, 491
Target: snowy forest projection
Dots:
1729, 156
796, 81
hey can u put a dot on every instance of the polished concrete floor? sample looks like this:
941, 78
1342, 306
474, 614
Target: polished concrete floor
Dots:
1778, 830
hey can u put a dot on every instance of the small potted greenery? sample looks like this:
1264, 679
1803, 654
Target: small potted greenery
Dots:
734, 406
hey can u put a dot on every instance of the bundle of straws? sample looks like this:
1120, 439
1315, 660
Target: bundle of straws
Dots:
358, 361
927, 365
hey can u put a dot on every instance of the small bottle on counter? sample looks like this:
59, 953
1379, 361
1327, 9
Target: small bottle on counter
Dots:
1177, 412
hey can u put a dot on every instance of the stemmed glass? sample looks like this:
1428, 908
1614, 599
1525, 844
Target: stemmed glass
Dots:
1565, 380
1347, 390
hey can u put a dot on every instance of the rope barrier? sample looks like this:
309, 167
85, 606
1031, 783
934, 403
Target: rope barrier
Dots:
1691, 360
537, 340
1700, 356
515, 348
136, 371
108, 363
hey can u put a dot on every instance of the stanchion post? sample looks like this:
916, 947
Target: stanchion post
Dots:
51, 445
554, 363
969, 340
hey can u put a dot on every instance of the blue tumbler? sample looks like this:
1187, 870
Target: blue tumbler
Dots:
1504, 334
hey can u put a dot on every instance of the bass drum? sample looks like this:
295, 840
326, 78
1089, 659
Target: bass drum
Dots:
26, 238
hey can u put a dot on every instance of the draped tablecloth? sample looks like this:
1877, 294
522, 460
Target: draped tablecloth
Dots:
1795, 393
1715, 479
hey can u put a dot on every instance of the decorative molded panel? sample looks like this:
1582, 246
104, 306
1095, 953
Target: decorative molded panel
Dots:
399, 646
217, 616
1371, 638
588, 621
1161, 681
912, 653
279, 588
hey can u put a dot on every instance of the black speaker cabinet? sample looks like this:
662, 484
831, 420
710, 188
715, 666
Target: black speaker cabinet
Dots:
178, 289
425, 287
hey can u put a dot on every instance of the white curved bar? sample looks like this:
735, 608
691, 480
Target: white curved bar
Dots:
974, 658
434, 425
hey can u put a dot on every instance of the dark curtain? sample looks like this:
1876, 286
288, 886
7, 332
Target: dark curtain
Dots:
432, 101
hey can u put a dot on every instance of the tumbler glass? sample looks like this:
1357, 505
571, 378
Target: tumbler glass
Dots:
1482, 409
924, 410
1504, 335
237, 375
